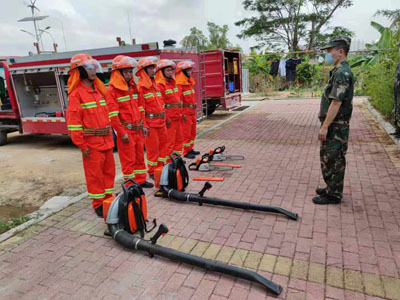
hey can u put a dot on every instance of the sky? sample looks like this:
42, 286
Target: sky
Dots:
96, 23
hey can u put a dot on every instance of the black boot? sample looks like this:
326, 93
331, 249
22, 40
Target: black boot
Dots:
99, 211
147, 185
194, 152
190, 155
325, 199
321, 191
151, 176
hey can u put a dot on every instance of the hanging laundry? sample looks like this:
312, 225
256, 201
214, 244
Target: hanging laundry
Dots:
282, 67
274, 67
291, 65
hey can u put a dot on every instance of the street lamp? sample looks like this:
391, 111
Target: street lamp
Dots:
45, 31
30, 33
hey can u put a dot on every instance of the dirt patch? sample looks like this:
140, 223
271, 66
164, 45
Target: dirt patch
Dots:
35, 168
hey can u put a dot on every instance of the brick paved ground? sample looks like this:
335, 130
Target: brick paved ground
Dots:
351, 251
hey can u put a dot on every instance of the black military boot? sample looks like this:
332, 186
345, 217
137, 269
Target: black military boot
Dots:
326, 199
321, 191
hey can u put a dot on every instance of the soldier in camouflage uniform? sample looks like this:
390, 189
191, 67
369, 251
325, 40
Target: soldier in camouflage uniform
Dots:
396, 101
335, 113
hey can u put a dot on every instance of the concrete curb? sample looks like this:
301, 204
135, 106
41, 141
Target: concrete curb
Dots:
42, 214
386, 125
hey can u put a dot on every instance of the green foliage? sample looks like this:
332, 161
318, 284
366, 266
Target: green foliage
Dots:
217, 38
288, 22
259, 63
378, 84
196, 38
6, 225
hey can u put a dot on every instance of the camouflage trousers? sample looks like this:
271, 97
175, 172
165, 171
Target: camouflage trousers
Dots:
333, 160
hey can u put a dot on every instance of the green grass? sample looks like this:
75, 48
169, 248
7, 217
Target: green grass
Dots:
6, 225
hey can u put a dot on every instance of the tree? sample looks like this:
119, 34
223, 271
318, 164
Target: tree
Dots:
196, 38
288, 21
322, 39
394, 17
217, 38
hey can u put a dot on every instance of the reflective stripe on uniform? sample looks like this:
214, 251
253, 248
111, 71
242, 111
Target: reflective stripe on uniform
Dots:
178, 152
162, 159
123, 98
140, 171
187, 93
168, 92
158, 93
96, 196
134, 96
74, 127
113, 113
176, 90
152, 163
148, 95
89, 105
102, 102
191, 142
141, 108
187, 145
128, 176
109, 191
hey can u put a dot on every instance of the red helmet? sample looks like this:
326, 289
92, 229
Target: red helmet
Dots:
182, 65
79, 60
123, 62
86, 61
163, 63
145, 62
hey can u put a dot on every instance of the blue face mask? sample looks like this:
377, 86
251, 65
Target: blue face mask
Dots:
329, 59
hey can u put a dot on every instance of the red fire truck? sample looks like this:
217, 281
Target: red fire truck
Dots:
34, 98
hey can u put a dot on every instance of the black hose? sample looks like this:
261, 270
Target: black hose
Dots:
189, 197
136, 243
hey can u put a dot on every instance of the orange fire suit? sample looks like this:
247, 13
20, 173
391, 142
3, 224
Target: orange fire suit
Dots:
153, 114
126, 119
173, 109
189, 110
89, 126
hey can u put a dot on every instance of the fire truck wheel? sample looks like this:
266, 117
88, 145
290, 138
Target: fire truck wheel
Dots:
3, 137
115, 149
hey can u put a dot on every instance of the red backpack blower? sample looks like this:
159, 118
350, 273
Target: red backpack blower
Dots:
126, 214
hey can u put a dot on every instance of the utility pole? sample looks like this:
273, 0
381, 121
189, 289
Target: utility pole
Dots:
33, 19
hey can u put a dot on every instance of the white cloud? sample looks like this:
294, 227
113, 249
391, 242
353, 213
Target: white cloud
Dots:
96, 23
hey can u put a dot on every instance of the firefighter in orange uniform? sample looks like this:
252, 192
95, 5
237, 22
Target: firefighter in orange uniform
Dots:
126, 119
173, 105
151, 105
186, 89
90, 128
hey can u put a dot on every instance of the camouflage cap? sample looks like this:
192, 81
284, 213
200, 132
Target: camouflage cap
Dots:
338, 41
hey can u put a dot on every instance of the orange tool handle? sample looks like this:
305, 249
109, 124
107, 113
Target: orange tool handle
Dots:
226, 165
208, 178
